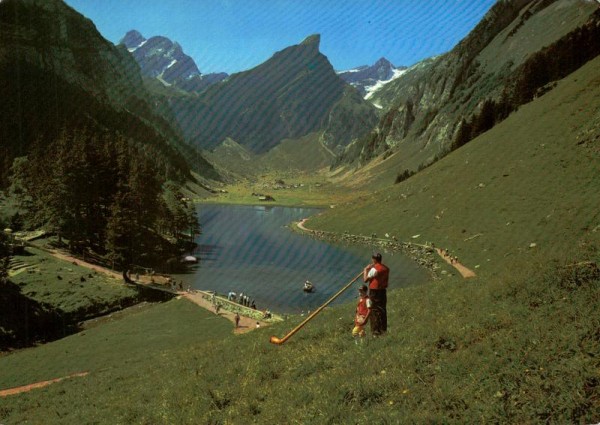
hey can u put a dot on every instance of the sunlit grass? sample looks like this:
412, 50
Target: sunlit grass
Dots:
66, 286
316, 191
510, 351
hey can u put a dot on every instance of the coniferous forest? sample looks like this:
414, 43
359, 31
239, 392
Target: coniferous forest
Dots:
103, 196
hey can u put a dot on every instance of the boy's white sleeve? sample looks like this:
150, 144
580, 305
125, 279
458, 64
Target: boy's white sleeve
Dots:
369, 303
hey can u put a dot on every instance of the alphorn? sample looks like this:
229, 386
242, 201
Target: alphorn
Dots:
279, 341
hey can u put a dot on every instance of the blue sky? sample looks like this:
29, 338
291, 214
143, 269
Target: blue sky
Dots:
236, 35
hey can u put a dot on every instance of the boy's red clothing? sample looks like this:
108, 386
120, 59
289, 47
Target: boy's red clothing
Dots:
361, 307
362, 310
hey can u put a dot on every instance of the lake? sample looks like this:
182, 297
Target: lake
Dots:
251, 250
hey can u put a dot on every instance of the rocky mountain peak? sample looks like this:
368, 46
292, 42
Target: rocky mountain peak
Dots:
444, 102
383, 62
294, 93
312, 41
132, 39
366, 77
165, 60
159, 57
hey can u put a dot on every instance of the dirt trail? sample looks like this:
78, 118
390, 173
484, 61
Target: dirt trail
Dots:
117, 275
25, 388
246, 323
464, 271
79, 262
301, 225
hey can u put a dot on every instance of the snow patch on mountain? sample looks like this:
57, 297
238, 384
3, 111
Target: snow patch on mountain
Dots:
370, 90
133, 49
360, 68
367, 79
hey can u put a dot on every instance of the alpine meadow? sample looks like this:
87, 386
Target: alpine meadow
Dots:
180, 246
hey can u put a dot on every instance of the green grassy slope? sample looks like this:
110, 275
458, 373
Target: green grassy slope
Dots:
127, 360
534, 178
67, 287
457, 352
306, 154
46, 298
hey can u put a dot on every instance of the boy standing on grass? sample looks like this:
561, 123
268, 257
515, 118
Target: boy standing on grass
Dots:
363, 310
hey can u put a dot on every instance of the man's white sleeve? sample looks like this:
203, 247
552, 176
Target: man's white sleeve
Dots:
372, 273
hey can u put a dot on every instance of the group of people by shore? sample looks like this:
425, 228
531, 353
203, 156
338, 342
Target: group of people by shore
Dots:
241, 299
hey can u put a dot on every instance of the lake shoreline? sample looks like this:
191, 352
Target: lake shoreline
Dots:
423, 255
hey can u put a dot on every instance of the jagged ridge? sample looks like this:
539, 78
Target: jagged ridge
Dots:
292, 94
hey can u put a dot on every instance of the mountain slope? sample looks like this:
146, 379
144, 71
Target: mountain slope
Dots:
290, 157
57, 73
532, 179
294, 93
426, 105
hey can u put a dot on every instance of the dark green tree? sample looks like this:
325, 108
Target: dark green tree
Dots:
464, 134
192, 221
103, 193
4, 257
120, 232
485, 120
181, 212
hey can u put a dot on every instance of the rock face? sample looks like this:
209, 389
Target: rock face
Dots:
160, 57
428, 106
294, 93
163, 59
199, 83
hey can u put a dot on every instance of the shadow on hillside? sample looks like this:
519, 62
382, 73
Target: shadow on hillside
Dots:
25, 322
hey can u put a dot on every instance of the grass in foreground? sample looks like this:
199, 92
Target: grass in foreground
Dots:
524, 350
128, 360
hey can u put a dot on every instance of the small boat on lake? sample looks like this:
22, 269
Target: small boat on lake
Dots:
308, 287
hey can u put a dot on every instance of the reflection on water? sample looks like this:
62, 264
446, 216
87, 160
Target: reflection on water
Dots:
248, 249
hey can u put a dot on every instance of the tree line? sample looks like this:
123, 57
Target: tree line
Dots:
103, 195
